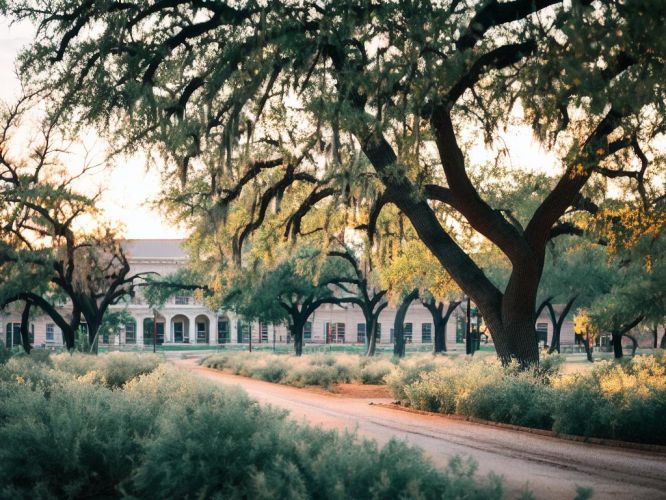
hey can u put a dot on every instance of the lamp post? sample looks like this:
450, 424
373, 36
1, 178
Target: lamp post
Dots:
468, 335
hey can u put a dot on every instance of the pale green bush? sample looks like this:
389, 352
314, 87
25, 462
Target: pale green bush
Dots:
112, 369
625, 400
168, 435
313, 369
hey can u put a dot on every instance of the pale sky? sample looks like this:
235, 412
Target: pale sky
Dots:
127, 185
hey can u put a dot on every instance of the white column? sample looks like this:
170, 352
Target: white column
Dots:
193, 329
139, 330
212, 329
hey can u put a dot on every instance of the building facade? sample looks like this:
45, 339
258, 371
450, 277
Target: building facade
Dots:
186, 321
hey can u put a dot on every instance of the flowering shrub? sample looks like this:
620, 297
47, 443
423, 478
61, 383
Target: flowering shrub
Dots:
614, 400
169, 435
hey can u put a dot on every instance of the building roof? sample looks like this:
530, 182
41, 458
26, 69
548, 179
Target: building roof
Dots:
154, 249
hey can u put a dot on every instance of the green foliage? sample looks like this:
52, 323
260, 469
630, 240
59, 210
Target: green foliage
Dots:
168, 435
112, 369
315, 369
614, 400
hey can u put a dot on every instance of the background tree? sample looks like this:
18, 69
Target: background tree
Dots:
289, 290
401, 84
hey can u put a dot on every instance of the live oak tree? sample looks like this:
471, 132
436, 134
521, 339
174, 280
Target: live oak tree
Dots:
404, 84
414, 273
46, 261
287, 290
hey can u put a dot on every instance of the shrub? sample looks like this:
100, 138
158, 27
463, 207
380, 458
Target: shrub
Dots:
624, 400
112, 369
167, 434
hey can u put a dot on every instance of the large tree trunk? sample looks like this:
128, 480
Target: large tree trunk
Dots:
297, 334
662, 345
517, 341
634, 343
25, 328
440, 320
588, 350
617, 345
557, 323
371, 334
399, 323
655, 335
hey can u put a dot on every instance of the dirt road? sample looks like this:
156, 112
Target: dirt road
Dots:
551, 467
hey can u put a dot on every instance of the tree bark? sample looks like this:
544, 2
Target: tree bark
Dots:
297, 334
655, 335
371, 335
662, 345
399, 323
617, 345
440, 320
634, 343
617, 337
588, 351
25, 327
558, 322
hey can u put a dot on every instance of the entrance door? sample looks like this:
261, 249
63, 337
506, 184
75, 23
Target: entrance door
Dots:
222, 331
178, 328
202, 333
148, 332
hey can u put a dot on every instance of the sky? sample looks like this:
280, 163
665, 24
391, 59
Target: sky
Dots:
127, 187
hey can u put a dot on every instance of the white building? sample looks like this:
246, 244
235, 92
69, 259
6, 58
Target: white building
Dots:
185, 321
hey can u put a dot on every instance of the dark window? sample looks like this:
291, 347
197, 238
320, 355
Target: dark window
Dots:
244, 330
148, 332
50, 332
222, 331
407, 332
542, 332
336, 333
178, 331
130, 332
307, 330
426, 333
202, 332
263, 327
182, 300
13, 335
360, 333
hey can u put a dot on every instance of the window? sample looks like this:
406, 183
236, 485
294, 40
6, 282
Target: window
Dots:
392, 335
542, 332
130, 332
378, 333
426, 333
222, 331
336, 333
307, 331
360, 333
244, 331
13, 335
50, 332
407, 332
182, 300
263, 327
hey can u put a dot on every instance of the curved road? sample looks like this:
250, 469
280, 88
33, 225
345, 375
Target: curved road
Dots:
551, 467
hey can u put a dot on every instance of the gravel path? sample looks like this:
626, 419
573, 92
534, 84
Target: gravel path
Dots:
551, 467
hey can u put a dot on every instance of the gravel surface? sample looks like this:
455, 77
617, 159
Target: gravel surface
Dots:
551, 467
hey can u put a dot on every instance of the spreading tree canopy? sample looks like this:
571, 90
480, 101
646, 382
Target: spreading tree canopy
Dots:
361, 101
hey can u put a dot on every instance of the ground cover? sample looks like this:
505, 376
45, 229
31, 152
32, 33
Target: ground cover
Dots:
167, 434
616, 400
